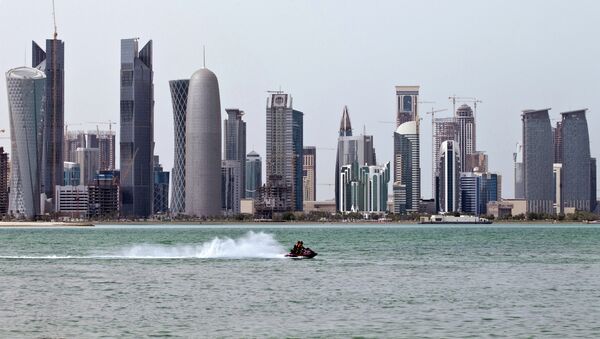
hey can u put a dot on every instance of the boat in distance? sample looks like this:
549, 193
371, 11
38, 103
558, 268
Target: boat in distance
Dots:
451, 219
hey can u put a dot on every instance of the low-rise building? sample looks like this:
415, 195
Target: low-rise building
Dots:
319, 206
72, 201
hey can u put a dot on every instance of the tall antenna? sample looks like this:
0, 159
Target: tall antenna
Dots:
54, 18
203, 56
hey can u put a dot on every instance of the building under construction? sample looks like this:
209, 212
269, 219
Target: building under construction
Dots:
104, 200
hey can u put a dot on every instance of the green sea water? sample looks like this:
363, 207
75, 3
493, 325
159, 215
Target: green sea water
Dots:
367, 281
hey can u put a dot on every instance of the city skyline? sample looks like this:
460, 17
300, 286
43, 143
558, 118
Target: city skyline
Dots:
487, 69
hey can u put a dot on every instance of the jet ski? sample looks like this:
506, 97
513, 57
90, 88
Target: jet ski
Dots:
305, 253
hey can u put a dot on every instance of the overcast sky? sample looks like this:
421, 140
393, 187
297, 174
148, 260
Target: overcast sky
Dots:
512, 55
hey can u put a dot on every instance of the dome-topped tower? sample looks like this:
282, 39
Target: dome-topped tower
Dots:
203, 146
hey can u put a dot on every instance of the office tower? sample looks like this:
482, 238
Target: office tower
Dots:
3, 182
160, 204
234, 141
52, 63
491, 190
253, 175
87, 158
407, 168
298, 148
407, 99
72, 201
104, 141
309, 173
557, 174
203, 146
449, 195
593, 187
179, 97
350, 149
72, 174
470, 190
443, 129
73, 141
104, 195
466, 134
284, 151
231, 188
538, 158
137, 129
557, 138
576, 160
26, 89
519, 174
476, 162
364, 188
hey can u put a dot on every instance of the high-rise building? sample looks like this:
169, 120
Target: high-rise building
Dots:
538, 158
104, 141
443, 129
52, 63
137, 129
407, 168
284, 151
203, 146
593, 187
576, 160
309, 173
364, 188
350, 149
234, 141
449, 195
476, 162
73, 141
557, 138
72, 174
3, 182
298, 148
519, 174
179, 96
557, 173
87, 158
253, 174
104, 197
161, 188
231, 189
407, 99
477, 189
466, 134
26, 89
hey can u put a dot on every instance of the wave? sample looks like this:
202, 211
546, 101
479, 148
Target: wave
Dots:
250, 245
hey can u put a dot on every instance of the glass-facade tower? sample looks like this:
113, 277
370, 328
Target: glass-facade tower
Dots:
179, 96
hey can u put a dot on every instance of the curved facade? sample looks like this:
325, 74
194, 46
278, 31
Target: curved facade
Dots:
26, 89
576, 161
407, 168
449, 176
203, 146
179, 96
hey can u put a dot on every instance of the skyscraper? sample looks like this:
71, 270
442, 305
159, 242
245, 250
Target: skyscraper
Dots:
72, 174
104, 141
161, 188
231, 192
26, 89
449, 195
466, 134
350, 149
253, 174
309, 173
538, 158
137, 129
3, 182
576, 160
234, 141
52, 63
88, 160
179, 97
73, 141
284, 151
519, 175
443, 129
203, 146
364, 188
407, 100
407, 168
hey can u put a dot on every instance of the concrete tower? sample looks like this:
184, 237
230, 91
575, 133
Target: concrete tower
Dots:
466, 134
203, 146
26, 93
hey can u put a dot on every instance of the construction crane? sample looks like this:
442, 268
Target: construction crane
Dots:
471, 100
109, 123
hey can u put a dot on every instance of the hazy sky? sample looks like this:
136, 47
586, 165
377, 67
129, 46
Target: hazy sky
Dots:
512, 55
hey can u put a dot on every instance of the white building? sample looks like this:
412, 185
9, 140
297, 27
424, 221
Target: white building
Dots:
72, 200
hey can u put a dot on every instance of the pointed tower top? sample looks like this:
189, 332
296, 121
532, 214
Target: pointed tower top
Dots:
54, 19
345, 126
203, 56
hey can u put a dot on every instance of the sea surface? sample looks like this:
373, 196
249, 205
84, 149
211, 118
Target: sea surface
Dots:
511, 281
